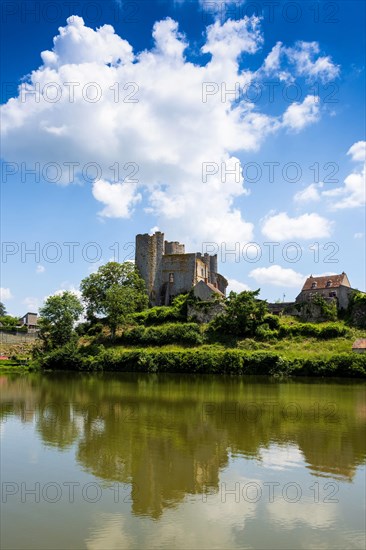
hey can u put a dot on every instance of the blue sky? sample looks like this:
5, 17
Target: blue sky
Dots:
292, 135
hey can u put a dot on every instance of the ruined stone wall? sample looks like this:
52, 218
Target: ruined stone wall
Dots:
204, 312
201, 271
148, 258
221, 283
173, 247
183, 268
213, 270
344, 296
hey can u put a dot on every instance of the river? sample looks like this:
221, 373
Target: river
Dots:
109, 461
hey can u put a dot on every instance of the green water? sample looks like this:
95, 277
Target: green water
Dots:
167, 461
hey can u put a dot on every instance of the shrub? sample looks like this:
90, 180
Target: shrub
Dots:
203, 360
333, 330
158, 315
183, 333
264, 332
66, 357
328, 308
272, 321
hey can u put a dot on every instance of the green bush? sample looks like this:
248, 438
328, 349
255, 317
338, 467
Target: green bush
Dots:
67, 357
204, 360
264, 332
158, 315
183, 333
95, 329
333, 330
273, 321
328, 308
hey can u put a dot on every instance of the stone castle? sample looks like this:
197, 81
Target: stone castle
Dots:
168, 270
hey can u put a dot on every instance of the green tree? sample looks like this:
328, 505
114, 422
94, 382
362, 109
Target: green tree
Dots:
244, 313
7, 321
58, 317
2, 309
114, 291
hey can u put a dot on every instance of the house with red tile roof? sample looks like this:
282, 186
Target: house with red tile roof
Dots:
336, 287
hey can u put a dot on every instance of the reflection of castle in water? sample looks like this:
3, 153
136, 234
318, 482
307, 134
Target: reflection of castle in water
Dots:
171, 438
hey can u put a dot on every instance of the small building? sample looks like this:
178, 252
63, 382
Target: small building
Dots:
29, 320
336, 287
359, 345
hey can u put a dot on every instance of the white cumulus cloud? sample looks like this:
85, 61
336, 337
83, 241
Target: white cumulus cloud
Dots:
32, 303
94, 101
236, 286
298, 115
303, 59
119, 198
279, 227
303, 55
278, 276
5, 294
353, 192
309, 194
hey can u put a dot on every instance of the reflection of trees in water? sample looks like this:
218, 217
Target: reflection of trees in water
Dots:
169, 436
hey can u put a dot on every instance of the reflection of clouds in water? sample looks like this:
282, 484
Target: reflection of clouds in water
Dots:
110, 533
179, 527
317, 515
33, 457
281, 457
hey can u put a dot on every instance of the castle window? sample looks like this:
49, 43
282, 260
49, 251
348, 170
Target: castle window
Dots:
201, 272
332, 294
171, 277
313, 285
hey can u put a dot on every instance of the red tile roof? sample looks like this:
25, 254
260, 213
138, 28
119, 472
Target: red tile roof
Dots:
321, 282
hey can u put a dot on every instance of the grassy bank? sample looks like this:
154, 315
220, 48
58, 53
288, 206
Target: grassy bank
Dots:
287, 348
7, 366
205, 359
19, 358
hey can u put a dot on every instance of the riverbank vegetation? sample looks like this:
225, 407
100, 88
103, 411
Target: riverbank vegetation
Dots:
121, 333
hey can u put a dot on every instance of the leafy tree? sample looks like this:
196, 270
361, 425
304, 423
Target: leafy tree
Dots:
244, 313
2, 309
58, 317
114, 291
7, 321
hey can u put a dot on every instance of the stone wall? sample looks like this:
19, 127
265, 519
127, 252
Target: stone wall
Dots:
17, 338
148, 258
358, 316
173, 247
204, 312
183, 267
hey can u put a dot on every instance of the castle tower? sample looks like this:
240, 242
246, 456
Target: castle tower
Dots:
148, 258
213, 269
174, 247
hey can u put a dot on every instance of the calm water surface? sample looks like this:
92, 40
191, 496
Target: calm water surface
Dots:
168, 461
